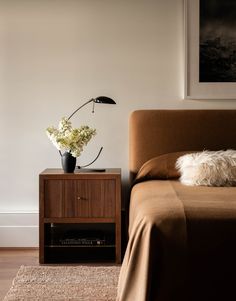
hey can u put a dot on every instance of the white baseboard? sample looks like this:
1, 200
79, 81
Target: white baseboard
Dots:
19, 229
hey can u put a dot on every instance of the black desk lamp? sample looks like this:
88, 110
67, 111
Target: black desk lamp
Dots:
99, 100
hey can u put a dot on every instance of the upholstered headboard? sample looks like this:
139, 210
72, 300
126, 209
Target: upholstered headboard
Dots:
156, 132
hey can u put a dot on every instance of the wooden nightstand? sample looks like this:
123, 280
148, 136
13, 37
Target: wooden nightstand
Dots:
80, 216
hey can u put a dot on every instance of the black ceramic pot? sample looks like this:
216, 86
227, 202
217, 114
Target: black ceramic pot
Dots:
68, 162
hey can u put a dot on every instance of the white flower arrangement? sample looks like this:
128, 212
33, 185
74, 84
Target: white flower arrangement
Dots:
69, 139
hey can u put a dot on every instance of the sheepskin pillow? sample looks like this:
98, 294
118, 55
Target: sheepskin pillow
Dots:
208, 168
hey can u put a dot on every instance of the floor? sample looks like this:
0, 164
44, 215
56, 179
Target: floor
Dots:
10, 262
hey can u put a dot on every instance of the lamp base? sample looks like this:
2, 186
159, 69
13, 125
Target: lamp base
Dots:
91, 169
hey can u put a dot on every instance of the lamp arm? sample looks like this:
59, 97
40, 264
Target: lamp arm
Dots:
93, 160
87, 102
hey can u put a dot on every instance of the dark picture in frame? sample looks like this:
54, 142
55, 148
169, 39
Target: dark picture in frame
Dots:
217, 49
210, 49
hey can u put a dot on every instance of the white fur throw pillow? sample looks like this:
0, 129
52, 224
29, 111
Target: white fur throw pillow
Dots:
208, 168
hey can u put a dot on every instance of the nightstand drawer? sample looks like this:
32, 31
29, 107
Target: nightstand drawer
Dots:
80, 198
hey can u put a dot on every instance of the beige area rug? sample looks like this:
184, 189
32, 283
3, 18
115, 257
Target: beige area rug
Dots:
85, 283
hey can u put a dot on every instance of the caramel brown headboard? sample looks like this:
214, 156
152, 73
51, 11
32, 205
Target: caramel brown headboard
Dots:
155, 132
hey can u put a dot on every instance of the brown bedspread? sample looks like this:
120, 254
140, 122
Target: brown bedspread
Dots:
182, 243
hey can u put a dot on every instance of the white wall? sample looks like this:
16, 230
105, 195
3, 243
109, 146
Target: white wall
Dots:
56, 54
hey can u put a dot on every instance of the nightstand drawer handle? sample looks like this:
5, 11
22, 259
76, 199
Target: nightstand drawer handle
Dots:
80, 198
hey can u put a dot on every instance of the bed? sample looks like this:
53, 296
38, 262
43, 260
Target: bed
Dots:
182, 240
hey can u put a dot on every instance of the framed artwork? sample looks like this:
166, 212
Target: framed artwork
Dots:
210, 49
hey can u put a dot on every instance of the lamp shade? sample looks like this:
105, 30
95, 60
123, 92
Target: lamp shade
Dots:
99, 99
104, 99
